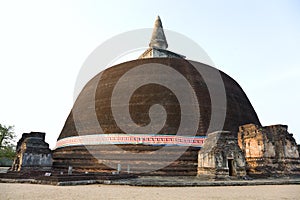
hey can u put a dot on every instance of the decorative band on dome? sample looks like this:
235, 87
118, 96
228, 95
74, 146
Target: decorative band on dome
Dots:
144, 139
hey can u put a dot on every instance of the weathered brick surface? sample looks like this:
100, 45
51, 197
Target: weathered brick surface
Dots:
239, 110
269, 150
33, 153
221, 156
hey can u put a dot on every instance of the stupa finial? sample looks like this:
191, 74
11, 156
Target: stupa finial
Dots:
158, 38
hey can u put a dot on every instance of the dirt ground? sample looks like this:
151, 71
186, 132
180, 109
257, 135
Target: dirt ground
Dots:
32, 191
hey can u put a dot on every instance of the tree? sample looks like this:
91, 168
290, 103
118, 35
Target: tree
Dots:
7, 139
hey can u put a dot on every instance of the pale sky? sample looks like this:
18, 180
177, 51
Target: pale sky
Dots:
43, 45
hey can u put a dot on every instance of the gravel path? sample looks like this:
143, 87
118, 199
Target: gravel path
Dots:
32, 191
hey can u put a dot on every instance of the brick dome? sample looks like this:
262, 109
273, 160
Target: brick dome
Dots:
98, 92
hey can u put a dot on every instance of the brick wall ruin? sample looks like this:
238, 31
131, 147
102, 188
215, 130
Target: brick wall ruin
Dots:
221, 157
269, 150
33, 153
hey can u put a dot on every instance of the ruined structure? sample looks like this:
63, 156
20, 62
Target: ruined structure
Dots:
269, 150
92, 128
106, 132
221, 157
33, 153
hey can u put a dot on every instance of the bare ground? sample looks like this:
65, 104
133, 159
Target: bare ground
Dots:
32, 191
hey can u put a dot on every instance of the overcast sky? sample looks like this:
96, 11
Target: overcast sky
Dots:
43, 45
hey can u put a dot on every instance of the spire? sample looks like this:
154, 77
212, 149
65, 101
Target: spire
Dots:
158, 38
158, 44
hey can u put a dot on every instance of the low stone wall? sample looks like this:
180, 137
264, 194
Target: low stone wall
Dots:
5, 162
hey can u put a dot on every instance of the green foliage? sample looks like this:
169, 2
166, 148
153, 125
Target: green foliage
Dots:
8, 152
7, 139
7, 135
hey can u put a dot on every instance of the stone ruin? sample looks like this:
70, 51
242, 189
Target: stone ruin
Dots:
71, 150
255, 151
221, 157
269, 150
235, 151
33, 153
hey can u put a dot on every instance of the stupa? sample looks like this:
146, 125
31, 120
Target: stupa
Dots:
88, 148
